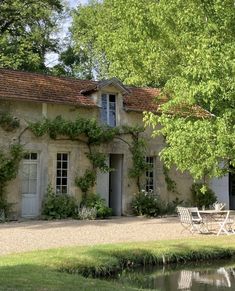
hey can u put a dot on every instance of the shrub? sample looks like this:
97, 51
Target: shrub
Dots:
87, 213
57, 206
171, 206
86, 182
149, 204
202, 198
95, 201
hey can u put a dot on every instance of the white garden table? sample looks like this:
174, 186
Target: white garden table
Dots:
221, 218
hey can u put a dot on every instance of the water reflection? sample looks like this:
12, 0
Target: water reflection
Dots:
221, 277
192, 278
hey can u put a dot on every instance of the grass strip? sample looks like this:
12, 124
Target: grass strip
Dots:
108, 260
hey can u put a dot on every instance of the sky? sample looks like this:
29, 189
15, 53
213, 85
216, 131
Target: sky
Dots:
52, 58
74, 3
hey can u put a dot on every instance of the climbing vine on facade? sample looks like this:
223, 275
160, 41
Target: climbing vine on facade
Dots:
10, 158
9, 165
8, 122
170, 183
93, 135
138, 150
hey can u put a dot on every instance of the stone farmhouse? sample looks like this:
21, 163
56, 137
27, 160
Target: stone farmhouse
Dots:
30, 97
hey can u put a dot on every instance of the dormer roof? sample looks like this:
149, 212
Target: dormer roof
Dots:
105, 83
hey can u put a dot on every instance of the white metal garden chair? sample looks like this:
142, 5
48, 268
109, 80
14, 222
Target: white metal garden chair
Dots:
191, 219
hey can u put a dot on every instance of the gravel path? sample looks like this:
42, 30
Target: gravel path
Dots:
34, 235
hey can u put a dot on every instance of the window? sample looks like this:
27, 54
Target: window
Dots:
62, 173
108, 109
29, 171
149, 185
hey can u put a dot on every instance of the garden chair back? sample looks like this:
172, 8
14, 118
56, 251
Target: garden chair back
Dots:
191, 220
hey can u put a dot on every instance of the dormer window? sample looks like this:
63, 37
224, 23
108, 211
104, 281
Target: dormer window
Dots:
108, 109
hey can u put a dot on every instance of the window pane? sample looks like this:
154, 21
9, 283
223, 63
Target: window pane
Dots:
64, 165
112, 118
104, 109
62, 173
112, 98
26, 156
65, 157
104, 116
34, 156
150, 174
58, 181
58, 189
64, 189
58, 157
112, 106
104, 101
64, 181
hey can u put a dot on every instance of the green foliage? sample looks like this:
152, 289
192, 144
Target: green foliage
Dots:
148, 203
87, 181
138, 151
9, 165
73, 63
198, 146
58, 206
202, 198
8, 122
193, 43
171, 184
95, 133
138, 157
171, 206
26, 29
95, 201
98, 160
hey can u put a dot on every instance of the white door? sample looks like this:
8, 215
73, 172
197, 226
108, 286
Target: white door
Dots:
30, 191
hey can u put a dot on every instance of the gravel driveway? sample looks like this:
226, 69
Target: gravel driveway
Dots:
34, 235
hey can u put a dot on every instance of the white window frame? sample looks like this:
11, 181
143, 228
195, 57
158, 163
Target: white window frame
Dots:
59, 191
150, 186
108, 108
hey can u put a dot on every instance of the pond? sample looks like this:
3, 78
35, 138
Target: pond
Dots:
194, 277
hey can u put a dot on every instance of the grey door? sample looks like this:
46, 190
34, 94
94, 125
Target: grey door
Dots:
232, 190
115, 184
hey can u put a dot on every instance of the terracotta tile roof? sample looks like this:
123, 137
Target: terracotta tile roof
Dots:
142, 99
25, 86
18, 85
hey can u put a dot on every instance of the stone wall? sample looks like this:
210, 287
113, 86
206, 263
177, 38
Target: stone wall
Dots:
48, 148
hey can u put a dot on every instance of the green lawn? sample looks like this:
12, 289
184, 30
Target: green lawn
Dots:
62, 269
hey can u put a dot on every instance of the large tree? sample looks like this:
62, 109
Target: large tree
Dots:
185, 47
73, 63
27, 32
